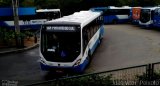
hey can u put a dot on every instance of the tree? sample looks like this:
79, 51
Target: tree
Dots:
47, 3
26, 3
69, 6
6, 3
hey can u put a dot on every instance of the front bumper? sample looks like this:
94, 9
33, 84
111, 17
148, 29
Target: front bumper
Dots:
77, 69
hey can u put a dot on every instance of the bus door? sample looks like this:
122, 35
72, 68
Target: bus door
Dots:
156, 17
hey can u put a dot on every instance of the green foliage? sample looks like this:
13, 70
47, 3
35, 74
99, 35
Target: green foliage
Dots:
9, 36
26, 3
155, 76
46, 3
94, 80
6, 3
2, 30
80, 3
145, 80
28, 34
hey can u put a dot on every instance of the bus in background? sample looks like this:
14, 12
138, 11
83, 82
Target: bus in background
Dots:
102, 9
135, 16
29, 18
156, 18
117, 14
67, 43
146, 16
48, 14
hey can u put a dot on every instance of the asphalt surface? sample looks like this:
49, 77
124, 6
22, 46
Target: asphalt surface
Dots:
122, 46
22, 67
126, 46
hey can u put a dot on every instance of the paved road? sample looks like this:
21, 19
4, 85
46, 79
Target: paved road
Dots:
21, 67
126, 46
24, 68
122, 46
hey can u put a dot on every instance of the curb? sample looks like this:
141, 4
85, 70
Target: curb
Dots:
19, 50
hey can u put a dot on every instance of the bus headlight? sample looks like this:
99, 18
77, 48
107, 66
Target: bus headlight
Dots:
42, 61
77, 63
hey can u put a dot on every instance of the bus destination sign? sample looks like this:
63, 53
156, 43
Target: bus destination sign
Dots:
61, 28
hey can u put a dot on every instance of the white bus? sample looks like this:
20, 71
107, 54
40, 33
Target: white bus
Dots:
30, 21
146, 16
67, 43
48, 14
117, 14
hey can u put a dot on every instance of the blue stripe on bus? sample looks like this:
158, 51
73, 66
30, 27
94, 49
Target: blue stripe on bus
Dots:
156, 25
47, 67
109, 19
112, 18
156, 22
22, 27
101, 31
2, 23
136, 22
80, 68
94, 46
122, 20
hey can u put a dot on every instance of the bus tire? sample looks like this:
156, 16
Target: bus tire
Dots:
114, 22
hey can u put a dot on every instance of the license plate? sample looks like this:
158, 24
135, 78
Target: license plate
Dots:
59, 71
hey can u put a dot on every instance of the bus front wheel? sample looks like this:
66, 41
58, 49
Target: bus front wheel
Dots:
114, 22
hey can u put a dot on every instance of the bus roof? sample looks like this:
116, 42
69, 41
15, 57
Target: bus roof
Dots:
151, 8
99, 8
123, 7
136, 7
103, 9
48, 10
81, 18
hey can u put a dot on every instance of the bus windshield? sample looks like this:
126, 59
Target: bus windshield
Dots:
157, 12
60, 46
145, 15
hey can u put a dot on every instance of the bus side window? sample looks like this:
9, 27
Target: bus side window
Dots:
158, 13
92, 30
85, 38
99, 22
88, 33
152, 14
94, 26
